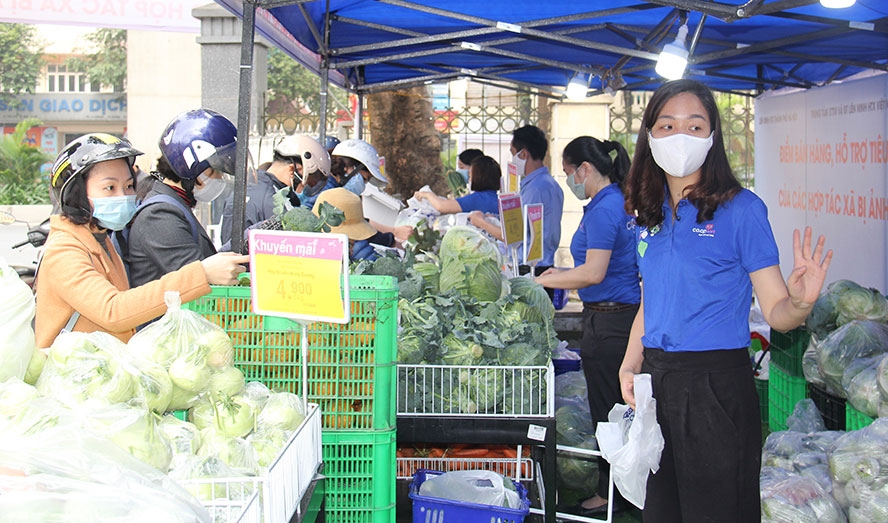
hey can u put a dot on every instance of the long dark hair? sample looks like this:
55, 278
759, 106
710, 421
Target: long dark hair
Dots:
645, 188
486, 174
597, 153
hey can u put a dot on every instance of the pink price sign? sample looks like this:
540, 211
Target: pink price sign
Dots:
302, 276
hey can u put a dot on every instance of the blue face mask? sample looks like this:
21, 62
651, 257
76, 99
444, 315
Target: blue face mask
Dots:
356, 184
114, 212
464, 173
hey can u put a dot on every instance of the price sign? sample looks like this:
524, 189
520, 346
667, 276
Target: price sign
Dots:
512, 182
533, 235
511, 218
303, 276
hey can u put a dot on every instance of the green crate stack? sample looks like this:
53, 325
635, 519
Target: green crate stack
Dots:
787, 349
761, 386
351, 376
359, 467
784, 391
351, 367
854, 419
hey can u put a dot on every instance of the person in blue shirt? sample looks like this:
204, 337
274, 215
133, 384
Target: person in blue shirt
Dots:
484, 180
465, 159
606, 276
703, 245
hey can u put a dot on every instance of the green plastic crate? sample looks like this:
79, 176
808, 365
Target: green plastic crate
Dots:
761, 386
787, 349
854, 419
831, 408
359, 471
784, 391
351, 367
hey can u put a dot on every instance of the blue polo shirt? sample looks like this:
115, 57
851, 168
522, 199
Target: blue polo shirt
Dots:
484, 201
606, 226
697, 291
540, 187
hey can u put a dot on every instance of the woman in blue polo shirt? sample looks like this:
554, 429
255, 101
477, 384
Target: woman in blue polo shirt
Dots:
484, 180
605, 272
704, 245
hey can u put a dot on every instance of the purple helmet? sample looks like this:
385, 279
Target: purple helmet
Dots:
197, 140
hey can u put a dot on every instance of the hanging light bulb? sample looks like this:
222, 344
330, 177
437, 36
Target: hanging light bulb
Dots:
837, 4
674, 58
577, 87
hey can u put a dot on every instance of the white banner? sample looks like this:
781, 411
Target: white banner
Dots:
821, 159
151, 15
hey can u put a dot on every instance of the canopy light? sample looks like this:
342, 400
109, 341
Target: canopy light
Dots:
577, 87
837, 4
674, 58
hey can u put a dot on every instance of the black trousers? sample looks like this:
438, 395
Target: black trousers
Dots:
708, 410
605, 336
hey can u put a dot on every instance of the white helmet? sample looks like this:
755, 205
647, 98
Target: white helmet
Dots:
314, 156
366, 154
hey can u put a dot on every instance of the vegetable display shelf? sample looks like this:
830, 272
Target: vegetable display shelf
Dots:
501, 405
538, 433
284, 484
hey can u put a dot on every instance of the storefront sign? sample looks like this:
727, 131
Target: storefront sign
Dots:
512, 218
107, 107
302, 276
533, 235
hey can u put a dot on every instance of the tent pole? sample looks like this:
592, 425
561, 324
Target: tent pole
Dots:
245, 89
359, 118
325, 75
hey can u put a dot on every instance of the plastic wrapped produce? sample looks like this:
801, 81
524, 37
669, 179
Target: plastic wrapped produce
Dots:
15, 394
184, 437
805, 417
859, 468
205, 468
863, 389
283, 410
799, 499
135, 430
854, 340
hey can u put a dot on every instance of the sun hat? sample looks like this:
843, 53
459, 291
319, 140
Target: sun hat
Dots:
354, 226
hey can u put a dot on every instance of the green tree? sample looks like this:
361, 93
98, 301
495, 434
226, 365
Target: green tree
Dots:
105, 62
21, 59
20, 161
292, 84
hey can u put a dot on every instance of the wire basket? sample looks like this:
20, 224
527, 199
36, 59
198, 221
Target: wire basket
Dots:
476, 391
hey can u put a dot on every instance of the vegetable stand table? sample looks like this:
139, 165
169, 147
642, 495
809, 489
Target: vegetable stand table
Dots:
448, 404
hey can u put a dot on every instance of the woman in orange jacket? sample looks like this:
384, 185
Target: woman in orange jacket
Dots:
82, 283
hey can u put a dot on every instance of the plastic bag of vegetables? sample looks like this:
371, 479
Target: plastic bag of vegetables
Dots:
135, 430
799, 499
188, 346
857, 339
15, 394
16, 333
859, 469
88, 368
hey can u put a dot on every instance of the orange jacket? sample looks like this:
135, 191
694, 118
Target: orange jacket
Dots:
77, 274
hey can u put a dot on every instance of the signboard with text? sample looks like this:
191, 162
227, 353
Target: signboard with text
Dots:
301, 276
512, 181
533, 236
511, 218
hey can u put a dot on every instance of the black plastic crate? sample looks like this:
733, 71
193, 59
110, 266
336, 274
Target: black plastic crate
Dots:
832, 408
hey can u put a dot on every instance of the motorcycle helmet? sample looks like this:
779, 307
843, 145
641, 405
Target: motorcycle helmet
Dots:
330, 142
197, 140
366, 154
68, 175
314, 157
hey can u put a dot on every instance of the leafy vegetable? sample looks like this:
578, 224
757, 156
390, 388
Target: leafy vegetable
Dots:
857, 339
470, 264
301, 219
458, 351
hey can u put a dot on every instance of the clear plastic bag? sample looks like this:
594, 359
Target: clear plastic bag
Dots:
188, 346
483, 487
805, 418
17, 309
631, 441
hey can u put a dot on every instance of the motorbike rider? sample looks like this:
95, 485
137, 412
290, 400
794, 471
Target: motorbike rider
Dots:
81, 282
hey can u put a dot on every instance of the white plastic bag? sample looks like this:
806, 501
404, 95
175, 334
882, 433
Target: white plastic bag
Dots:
631, 442
16, 333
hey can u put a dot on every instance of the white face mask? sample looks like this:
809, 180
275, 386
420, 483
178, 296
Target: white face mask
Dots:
212, 188
519, 163
680, 154
356, 184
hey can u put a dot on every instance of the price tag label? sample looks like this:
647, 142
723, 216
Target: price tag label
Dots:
533, 235
512, 181
302, 276
511, 218
536, 432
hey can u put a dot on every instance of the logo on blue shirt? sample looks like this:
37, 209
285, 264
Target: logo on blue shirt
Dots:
707, 231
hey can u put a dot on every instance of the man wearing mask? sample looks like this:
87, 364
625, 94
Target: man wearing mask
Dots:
529, 146
285, 170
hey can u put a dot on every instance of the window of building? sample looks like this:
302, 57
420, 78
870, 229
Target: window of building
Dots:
60, 79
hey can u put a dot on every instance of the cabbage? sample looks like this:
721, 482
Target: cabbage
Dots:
799, 499
461, 351
534, 295
470, 264
522, 355
857, 339
467, 244
863, 391
859, 303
